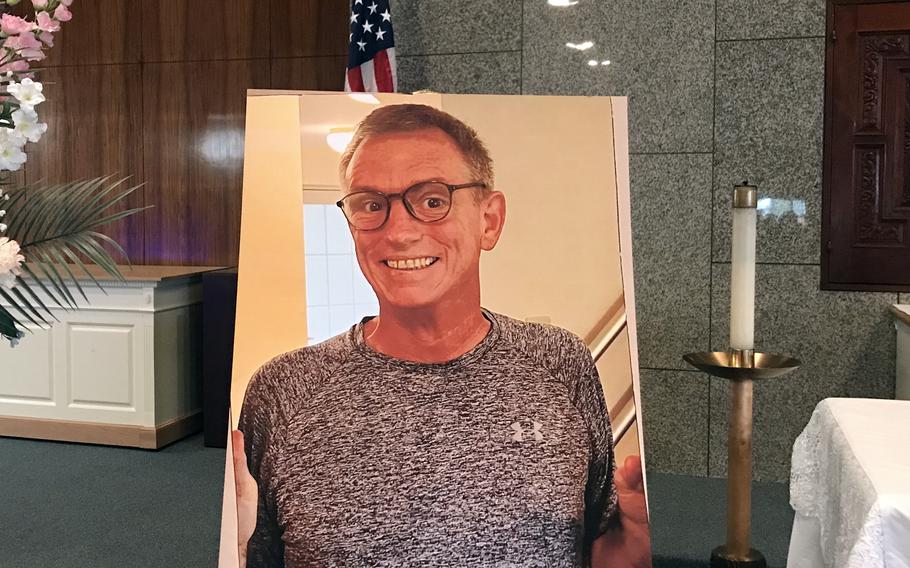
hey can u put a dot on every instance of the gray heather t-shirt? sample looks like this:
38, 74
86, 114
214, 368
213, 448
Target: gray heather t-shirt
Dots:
501, 457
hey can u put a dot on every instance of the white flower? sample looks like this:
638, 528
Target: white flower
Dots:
11, 155
28, 92
10, 260
27, 125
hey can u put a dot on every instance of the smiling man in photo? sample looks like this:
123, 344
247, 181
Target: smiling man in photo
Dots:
437, 433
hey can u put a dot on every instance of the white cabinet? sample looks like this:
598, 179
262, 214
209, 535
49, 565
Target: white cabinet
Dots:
125, 369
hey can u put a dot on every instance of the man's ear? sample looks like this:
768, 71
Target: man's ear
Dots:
494, 217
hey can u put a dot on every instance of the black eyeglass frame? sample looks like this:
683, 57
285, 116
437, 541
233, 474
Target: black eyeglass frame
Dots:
400, 195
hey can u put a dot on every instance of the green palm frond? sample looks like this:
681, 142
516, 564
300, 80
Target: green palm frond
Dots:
7, 324
56, 227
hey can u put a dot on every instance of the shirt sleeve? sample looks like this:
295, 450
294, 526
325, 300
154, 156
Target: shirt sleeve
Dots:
601, 503
260, 422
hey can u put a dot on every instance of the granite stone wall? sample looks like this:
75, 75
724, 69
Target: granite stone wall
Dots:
720, 91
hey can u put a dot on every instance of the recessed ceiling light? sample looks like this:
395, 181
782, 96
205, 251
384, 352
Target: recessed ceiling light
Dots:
592, 62
339, 138
580, 46
364, 98
562, 3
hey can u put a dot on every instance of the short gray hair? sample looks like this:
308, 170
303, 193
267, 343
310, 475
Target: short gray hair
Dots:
413, 117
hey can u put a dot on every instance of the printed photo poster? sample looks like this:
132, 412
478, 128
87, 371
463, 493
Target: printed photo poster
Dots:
435, 356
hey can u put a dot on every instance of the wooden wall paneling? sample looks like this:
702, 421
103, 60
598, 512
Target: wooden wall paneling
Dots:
15, 179
194, 30
193, 125
94, 129
302, 28
101, 31
128, 92
309, 73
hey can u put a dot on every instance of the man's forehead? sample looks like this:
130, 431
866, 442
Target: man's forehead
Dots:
412, 154
408, 143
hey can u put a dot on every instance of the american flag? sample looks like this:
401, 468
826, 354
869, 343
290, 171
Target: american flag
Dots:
371, 59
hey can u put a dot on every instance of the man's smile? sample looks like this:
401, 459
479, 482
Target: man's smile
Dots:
416, 263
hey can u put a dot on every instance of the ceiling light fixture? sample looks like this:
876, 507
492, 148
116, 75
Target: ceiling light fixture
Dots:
364, 98
580, 46
339, 138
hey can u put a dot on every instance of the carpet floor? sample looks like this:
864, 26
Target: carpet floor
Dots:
74, 505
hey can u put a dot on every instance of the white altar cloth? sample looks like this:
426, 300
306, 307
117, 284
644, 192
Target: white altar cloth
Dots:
850, 486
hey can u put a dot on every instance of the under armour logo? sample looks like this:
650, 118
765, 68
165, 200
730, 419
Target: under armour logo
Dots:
519, 431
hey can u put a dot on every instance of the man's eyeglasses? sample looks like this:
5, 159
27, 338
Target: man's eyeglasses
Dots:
428, 201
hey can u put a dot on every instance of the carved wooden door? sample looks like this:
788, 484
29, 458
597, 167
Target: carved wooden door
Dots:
866, 207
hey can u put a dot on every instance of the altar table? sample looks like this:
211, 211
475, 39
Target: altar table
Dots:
124, 369
850, 486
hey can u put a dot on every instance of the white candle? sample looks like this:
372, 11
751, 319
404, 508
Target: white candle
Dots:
742, 269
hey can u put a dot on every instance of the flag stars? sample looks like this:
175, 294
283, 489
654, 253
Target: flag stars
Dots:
370, 62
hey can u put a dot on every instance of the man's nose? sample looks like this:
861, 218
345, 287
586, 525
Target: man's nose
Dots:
401, 229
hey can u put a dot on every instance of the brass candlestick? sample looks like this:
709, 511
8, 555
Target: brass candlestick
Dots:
741, 367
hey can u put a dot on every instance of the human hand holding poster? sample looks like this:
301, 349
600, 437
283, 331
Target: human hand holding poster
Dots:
486, 415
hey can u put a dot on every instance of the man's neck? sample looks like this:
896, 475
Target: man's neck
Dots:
426, 335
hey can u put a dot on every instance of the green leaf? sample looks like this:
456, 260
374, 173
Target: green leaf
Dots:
55, 226
22, 284
98, 255
114, 244
58, 258
28, 270
74, 258
91, 209
12, 301
24, 302
50, 273
89, 195
7, 324
116, 217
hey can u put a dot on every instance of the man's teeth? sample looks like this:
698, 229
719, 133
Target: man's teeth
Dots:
411, 263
